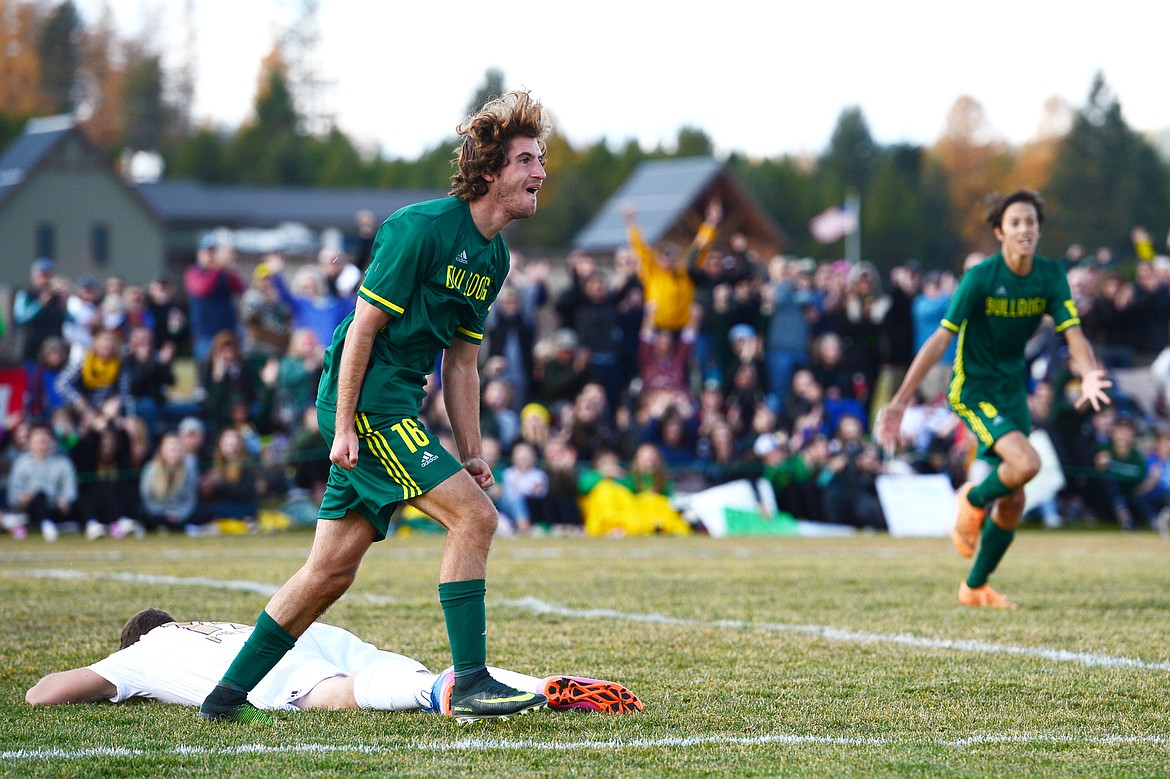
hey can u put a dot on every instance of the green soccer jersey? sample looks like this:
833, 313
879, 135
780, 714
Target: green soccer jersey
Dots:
436, 276
1129, 472
994, 312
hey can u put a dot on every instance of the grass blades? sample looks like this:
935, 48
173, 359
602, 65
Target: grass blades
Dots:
754, 657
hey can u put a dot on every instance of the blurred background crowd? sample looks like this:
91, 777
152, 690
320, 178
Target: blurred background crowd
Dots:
610, 388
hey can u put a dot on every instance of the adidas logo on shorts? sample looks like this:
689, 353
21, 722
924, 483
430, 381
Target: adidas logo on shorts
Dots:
427, 459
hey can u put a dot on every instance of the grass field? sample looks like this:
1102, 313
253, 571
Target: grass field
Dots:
754, 657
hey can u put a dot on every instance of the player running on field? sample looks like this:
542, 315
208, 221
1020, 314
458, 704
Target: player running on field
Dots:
435, 270
329, 668
995, 310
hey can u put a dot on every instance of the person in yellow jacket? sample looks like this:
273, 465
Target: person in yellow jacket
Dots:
615, 502
665, 271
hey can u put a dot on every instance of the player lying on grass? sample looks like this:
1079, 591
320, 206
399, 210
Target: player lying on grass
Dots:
329, 668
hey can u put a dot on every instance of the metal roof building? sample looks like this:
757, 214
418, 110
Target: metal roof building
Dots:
62, 199
292, 217
192, 204
670, 197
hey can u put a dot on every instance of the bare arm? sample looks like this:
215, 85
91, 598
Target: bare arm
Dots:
461, 393
705, 237
81, 685
634, 236
1093, 381
890, 420
355, 358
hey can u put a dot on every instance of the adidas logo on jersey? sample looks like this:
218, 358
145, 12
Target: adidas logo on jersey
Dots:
1001, 291
427, 459
461, 258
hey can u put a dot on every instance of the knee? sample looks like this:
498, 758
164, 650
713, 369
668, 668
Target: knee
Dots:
338, 582
485, 520
332, 577
469, 516
1024, 467
477, 524
1031, 467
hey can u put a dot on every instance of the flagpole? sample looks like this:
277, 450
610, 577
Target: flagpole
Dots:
853, 237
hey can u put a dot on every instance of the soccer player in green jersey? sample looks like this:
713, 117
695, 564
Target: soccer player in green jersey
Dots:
995, 310
434, 271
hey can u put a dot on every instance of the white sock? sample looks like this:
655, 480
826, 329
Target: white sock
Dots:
520, 681
390, 687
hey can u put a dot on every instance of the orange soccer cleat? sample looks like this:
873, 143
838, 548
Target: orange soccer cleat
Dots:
574, 692
983, 597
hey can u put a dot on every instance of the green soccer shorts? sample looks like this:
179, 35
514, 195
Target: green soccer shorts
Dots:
991, 419
398, 459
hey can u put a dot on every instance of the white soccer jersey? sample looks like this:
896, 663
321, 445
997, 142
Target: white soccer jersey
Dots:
180, 662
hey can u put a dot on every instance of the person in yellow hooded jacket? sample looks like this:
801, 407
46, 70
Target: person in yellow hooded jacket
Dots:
665, 270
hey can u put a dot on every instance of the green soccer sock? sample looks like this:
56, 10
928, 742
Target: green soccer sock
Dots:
466, 616
261, 652
993, 543
988, 490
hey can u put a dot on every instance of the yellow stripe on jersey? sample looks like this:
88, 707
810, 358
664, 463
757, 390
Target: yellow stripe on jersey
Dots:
381, 448
957, 375
973, 419
378, 298
469, 334
1074, 322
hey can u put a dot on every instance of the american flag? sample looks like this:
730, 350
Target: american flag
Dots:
832, 224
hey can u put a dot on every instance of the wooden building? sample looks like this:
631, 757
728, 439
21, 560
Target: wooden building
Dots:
60, 199
670, 197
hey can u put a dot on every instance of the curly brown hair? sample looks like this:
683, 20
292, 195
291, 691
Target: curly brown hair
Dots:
486, 136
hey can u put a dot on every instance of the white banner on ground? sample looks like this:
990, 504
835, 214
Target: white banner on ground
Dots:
1050, 479
917, 504
710, 505
924, 505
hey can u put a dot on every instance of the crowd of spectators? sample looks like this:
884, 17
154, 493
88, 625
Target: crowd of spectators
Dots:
660, 372
128, 452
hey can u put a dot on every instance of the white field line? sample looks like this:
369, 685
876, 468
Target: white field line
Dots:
531, 745
537, 606
849, 636
239, 585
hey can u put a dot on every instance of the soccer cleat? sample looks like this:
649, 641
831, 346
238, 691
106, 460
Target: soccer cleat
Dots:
228, 704
968, 523
441, 692
983, 597
575, 692
492, 700
245, 712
